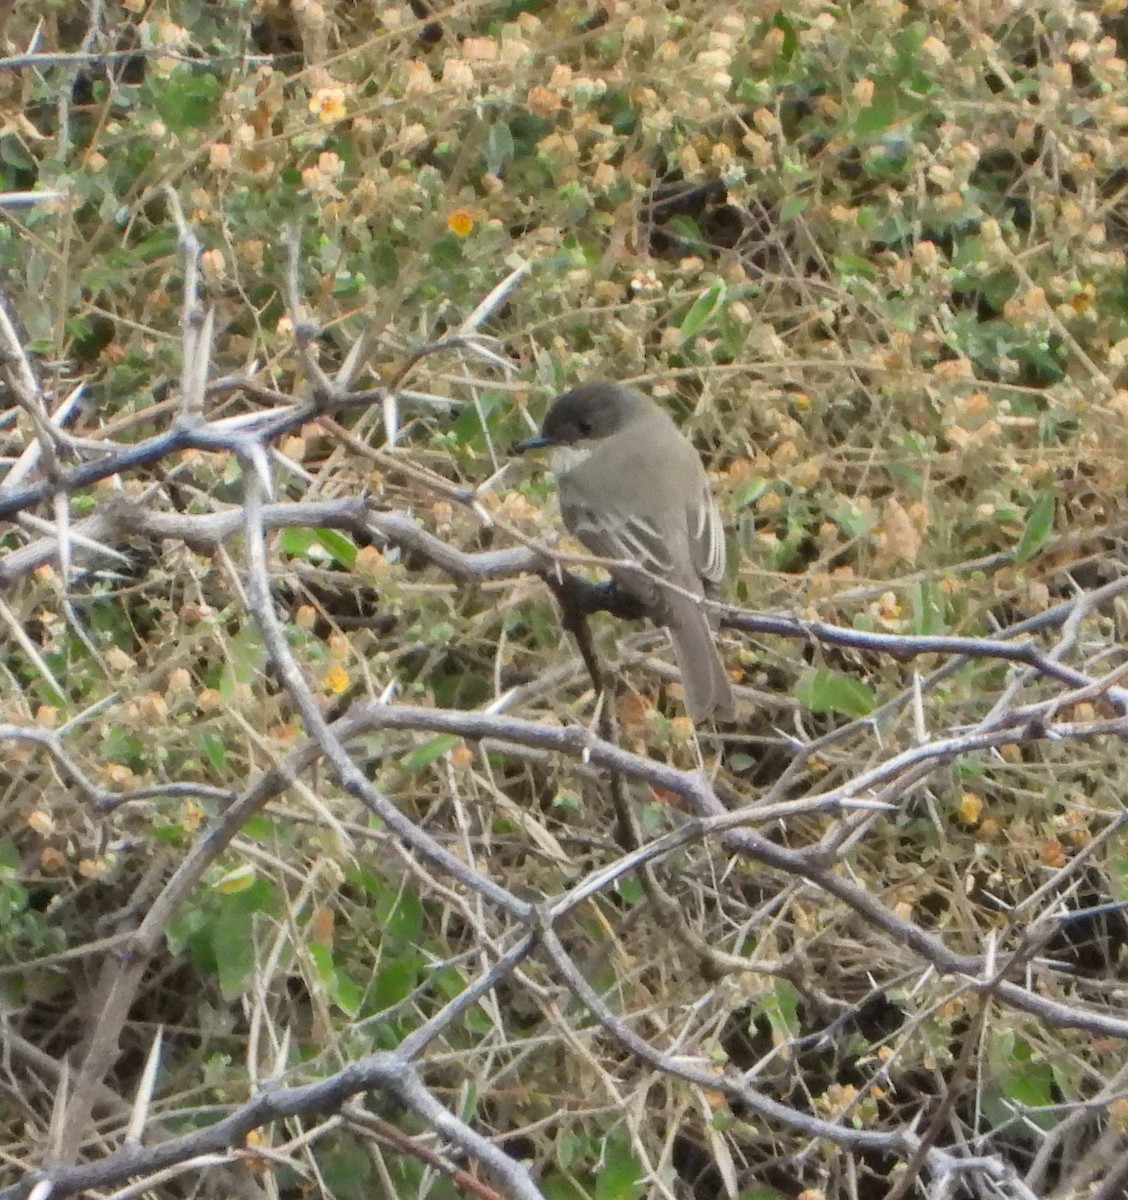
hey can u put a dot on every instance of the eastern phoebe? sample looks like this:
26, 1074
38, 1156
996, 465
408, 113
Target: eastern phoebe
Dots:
632, 487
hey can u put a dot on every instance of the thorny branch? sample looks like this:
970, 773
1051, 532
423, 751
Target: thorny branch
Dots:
516, 934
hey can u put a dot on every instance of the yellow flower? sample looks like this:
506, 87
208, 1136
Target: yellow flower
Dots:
328, 104
970, 808
336, 679
460, 222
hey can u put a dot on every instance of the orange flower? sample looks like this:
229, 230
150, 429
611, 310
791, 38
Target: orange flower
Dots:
460, 222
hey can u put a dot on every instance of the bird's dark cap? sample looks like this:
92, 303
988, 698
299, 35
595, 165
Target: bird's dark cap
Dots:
590, 411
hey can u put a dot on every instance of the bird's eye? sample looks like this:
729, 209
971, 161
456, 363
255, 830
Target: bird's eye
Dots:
584, 426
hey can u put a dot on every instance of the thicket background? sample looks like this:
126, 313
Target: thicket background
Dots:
320, 873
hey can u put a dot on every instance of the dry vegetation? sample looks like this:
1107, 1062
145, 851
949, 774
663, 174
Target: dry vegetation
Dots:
323, 872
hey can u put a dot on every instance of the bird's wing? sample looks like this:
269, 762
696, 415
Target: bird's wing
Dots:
707, 538
610, 534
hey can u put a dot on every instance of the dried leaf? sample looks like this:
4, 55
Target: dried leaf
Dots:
898, 538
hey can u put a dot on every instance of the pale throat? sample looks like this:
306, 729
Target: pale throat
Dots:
563, 459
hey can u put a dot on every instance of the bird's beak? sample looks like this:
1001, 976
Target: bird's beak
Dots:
540, 442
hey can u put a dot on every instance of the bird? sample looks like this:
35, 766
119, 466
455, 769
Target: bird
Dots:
633, 488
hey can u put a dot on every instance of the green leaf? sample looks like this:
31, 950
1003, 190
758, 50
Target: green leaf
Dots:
447, 983
467, 426
568, 801
1039, 525
12, 154
749, 492
617, 109
429, 752
322, 959
394, 982
446, 251
246, 657
686, 227
928, 610
825, 691
384, 264
630, 890
500, 148
233, 944
239, 879
346, 994
781, 1007
214, 750
569, 1149
620, 1176
1118, 871
854, 264
295, 542
851, 518
399, 912
263, 828
703, 309
563, 1187
187, 934
997, 289
792, 207
1028, 1081
790, 36
879, 114
347, 1172
187, 99
338, 545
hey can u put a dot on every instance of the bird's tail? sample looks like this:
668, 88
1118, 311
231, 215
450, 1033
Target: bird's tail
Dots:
708, 690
